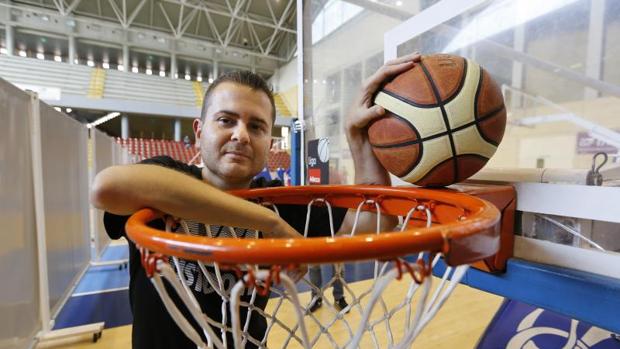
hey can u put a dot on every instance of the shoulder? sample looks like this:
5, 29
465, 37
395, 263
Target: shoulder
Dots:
171, 163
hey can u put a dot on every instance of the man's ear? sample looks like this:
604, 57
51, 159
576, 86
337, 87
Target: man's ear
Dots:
197, 126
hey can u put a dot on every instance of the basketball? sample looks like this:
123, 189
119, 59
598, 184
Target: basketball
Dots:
444, 119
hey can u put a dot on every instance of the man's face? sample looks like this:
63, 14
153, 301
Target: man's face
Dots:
235, 136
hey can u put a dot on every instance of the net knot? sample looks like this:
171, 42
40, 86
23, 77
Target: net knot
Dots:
419, 271
149, 261
262, 288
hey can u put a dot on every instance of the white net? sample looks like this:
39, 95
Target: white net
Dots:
388, 310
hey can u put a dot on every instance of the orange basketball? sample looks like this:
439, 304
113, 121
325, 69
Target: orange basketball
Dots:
444, 119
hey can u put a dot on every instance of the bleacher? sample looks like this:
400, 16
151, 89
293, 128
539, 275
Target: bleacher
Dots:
140, 149
145, 148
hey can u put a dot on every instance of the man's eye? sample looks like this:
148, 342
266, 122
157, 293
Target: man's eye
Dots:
224, 121
257, 127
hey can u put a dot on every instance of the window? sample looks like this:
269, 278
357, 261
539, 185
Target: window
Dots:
333, 15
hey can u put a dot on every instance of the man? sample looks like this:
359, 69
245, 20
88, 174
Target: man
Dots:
234, 137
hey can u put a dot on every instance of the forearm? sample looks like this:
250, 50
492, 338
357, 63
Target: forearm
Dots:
368, 170
125, 189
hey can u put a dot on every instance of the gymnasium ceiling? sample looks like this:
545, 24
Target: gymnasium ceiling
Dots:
265, 28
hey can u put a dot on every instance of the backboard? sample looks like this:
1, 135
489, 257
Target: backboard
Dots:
554, 63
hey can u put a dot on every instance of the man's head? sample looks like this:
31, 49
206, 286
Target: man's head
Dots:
234, 130
245, 78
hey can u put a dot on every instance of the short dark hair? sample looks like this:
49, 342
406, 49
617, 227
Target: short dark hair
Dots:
242, 77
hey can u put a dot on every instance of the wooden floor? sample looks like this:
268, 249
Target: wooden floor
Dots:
458, 324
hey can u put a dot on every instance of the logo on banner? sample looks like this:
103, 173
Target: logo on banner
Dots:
314, 176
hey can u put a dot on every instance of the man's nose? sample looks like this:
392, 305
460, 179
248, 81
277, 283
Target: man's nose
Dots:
240, 133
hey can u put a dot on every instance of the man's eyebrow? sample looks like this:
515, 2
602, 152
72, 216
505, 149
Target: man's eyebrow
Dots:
257, 119
227, 112
237, 115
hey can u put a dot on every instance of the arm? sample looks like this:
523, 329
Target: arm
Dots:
124, 190
368, 170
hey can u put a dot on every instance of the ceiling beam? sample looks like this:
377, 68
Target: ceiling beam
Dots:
273, 16
265, 22
212, 26
60, 6
279, 25
72, 7
179, 23
188, 20
163, 11
118, 13
135, 12
197, 23
255, 38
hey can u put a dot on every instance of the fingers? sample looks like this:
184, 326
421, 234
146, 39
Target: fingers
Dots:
374, 112
384, 73
412, 57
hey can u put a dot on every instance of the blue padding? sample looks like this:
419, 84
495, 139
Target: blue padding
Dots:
525, 326
111, 307
114, 253
578, 295
103, 278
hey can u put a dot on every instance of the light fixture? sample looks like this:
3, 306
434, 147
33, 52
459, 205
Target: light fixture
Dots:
105, 65
22, 53
134, 69
57, 58
103, 119
68, 110
4, 51
149, 71
120, 67
199, 78
399, 3
187, 77
40, 55
210, 80
90, 63
501, 16
176, 75
58, 109
45, 18
162, 73
76, 61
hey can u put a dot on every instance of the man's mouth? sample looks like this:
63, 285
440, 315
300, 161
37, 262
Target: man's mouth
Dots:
238, 153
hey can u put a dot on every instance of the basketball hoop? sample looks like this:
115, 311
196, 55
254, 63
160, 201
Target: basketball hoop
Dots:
434, 223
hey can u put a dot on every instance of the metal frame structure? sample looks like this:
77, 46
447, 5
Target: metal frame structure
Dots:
228, 24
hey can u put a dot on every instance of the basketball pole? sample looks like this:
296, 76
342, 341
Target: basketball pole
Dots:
300, 91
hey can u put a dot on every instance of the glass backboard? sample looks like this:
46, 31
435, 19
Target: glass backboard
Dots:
557, 64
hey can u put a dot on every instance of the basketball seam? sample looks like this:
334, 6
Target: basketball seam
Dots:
462, 127
430, 172
420, 148
410, 102
487, 115
438, 104
444, 114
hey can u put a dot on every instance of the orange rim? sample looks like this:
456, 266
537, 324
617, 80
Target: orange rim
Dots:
467, 229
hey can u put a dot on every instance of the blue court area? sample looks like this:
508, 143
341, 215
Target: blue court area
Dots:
101, 295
